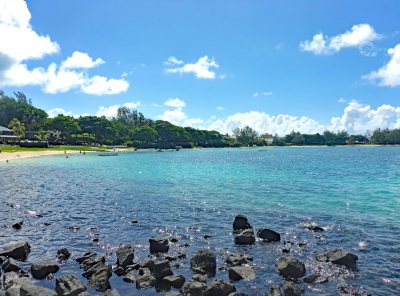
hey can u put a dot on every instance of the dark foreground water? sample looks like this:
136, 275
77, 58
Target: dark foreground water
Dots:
353, 192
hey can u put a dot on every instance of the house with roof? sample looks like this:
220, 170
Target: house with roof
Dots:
7, 136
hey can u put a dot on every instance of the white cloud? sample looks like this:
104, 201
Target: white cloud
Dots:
193, 122
80, 60
56, 111
111, 111
359, 35
388, 75
21, 43
175, 103
201, 69
264, 93
358, 118
262, 122
342, 100
220, 108
175, 116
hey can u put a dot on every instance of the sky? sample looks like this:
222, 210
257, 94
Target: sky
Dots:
276, 66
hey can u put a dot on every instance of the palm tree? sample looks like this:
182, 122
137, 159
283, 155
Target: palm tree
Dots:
42, 135
18, 128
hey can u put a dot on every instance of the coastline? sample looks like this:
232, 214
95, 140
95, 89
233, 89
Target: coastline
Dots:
11, 156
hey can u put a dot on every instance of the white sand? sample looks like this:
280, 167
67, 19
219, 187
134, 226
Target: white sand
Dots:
12, 156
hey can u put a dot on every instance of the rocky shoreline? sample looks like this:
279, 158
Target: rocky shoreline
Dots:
160, 271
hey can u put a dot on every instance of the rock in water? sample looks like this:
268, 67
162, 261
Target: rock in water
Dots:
174, 281
291, 289
162, 269
69, 285
204, 262
338, 256
129, 277
112, 292
235, 259
41, 270
125, 256
10, 265
63, 254
100, 278
241, 223
158, 245
246, 237
273, 291
290, 268
24, 287
315, 228
145, 280
237, 273
199, 278
193, 288
19, 251
268, 235
219, 288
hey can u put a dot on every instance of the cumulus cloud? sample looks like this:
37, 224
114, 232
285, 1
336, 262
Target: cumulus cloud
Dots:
201, 69
24, 44
175, 103
220, 108
57, 111
359, 35
262, 122
111, 111
81, 60
389, 74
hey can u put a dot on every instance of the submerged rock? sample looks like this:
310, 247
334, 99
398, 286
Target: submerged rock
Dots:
246, 237
18, 225
41, 270
19, 251
130, 277
63, 254
158, 245
125, 256
315, 228
219, 288
24, 287
268, 235
237, 273
291, 289
10, 265
112, 292
339, 257
175, 281
290, 268
69, 285
204, 262
241, 223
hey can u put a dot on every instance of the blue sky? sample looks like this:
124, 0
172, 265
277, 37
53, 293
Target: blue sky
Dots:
231, 63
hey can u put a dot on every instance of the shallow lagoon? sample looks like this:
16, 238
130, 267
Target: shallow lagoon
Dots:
352, 191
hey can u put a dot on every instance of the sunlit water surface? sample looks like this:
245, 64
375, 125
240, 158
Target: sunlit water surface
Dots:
354, 192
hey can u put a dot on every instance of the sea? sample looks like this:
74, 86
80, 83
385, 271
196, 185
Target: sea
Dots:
194, 195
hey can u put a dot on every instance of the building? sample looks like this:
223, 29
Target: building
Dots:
7, 136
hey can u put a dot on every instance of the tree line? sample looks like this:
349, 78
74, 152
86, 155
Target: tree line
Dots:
131, 128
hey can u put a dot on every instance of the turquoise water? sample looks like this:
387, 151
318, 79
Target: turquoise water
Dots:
352, 191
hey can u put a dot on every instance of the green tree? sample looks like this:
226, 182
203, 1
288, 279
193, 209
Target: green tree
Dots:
17, 127
66, 125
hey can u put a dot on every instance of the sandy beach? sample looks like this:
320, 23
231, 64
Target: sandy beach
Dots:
12, 156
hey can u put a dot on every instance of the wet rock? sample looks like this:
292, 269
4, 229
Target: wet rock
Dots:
112, 292
175, 281
181, 255
273, 291
339, 257
158, 245
219, 288
268, 235
130, 277
241, 223
315, 278
193, 288
237, 294
162, 269
148, 263
90, 259
204, 262
100, 278
199, 278
173, 293
10, 265
174, 240
41, 270
235, 259
237, 273
291, 289
119, 271
74, 228
69, 285
134, 222
285, 251
290, 268
315, 228
353, 291
24, 287
171, 257
146, 280
246, 237
63, 254
134, 266
19, 251
18, 225
125, 256
207, 236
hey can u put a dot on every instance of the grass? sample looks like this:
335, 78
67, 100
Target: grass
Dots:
61, 148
